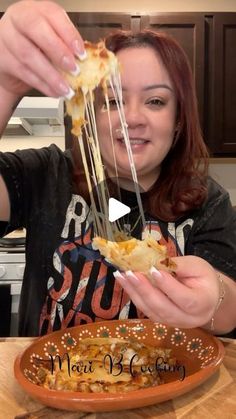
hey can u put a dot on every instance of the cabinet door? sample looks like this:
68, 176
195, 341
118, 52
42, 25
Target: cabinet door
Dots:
189, 30
96, 26
222, 123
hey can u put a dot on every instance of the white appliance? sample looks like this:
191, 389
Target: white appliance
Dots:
12, 265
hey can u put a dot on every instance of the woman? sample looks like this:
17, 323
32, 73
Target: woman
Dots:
66, 282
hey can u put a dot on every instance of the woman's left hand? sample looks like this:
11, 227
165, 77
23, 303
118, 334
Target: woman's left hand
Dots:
187, 300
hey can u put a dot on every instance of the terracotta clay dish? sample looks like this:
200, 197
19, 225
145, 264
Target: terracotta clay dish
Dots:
198, 355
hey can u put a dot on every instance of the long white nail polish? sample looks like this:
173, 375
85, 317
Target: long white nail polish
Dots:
157, 273
70, 94
132, 275
79, 50
118, 275
82, 55
76, 71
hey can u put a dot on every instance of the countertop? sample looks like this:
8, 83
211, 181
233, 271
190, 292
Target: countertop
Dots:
216, 398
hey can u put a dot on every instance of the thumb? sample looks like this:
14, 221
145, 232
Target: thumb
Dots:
191, 266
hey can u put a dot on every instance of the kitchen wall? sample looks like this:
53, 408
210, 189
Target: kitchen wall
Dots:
14, 143
138, 6
223, 170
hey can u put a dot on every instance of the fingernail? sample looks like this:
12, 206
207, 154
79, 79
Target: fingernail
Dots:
157, 273
76, 71
70, 94
132, 277
79, 50
82, 55
66, 91
68, 63
118, 276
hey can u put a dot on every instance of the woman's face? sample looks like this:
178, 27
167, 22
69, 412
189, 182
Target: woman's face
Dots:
150, 110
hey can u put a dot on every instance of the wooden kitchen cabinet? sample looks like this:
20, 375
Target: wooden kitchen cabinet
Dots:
210, 43
95, 26
189, 30
222, 85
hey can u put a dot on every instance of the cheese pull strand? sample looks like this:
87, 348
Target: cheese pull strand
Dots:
100, 68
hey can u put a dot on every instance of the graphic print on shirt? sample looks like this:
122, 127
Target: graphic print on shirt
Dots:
82, 288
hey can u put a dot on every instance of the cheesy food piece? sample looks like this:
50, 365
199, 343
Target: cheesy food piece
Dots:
135, 255
99, 66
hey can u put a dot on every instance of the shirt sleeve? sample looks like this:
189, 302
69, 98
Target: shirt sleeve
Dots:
213, 236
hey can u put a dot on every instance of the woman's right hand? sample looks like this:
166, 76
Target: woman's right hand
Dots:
37, 43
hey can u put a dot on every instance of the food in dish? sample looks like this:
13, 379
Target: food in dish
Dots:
107, 365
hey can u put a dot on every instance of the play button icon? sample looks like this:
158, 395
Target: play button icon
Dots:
117, 216
116, 209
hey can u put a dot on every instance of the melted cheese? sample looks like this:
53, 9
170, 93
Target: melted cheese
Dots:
99, 69
135, 255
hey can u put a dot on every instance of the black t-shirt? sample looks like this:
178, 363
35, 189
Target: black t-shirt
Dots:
66, 282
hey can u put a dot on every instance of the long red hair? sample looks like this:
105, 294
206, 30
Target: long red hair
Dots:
181, 185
